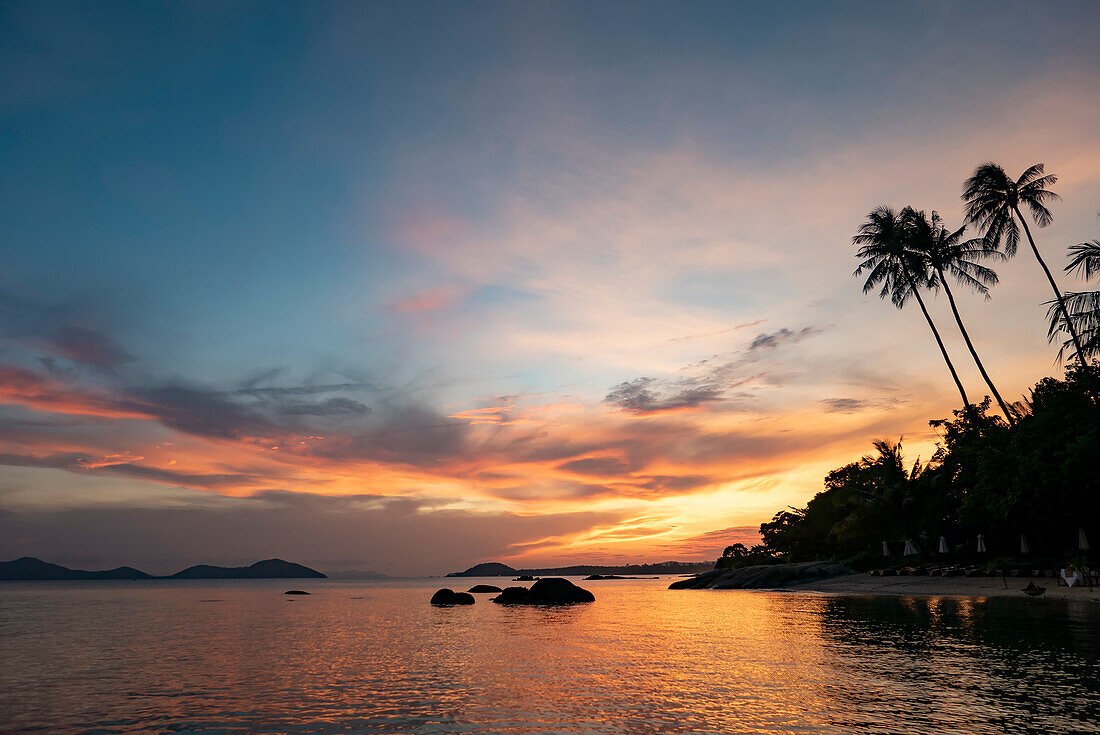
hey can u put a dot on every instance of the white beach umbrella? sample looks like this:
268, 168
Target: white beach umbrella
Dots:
1024, 548
885, 549
910, 548
1082, 540
943, 545
981, 544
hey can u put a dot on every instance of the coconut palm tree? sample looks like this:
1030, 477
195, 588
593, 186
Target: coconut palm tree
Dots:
900, 271
993, 202
946, 252
1082, 308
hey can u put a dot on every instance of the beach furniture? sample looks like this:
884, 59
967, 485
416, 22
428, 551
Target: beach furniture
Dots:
1070, 578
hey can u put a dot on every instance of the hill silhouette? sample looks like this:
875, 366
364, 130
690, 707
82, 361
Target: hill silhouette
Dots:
496, 569
28, 568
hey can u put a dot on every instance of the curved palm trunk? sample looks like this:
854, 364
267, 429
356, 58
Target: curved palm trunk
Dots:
936, 334
1061, 299
974, 353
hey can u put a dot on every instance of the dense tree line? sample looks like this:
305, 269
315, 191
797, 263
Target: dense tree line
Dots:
1038, 478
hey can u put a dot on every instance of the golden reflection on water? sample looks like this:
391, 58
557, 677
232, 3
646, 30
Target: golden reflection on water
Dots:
354, 657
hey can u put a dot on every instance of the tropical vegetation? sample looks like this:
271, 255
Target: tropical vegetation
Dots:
1025, 481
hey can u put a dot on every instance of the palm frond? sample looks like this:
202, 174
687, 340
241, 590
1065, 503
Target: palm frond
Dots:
1085, 257
1034, 171
1083, 308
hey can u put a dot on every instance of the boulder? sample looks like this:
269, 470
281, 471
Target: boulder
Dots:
761, 576
480, 588
446, 597
295, 592
550, 591
524, 578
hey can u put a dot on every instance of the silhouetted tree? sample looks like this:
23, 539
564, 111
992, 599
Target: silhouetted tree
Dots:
901, 272
947, 252
993, 202
1081, 307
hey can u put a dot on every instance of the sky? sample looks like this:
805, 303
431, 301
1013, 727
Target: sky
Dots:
407, 286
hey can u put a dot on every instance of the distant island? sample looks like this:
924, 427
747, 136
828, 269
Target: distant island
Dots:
30, 569
496, 569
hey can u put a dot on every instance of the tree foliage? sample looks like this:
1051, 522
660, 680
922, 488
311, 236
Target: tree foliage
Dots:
1040, 477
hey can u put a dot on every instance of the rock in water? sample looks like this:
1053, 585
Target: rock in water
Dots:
550, 591
479, 588
295, 592
447, 597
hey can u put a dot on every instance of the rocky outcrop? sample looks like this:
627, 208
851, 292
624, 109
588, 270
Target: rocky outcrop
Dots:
483, 588
551, 591
447, 597
295, 592
761, 577
598, 577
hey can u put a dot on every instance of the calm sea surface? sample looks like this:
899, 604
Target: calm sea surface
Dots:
358, 657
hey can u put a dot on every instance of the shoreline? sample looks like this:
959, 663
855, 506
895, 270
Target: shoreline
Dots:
865, 584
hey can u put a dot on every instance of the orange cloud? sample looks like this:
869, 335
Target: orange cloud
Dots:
24, 388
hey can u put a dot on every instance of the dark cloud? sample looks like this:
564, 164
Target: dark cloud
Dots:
855, 405
66, 331
89, 347
648, 395
337, 426
710, 381
844, 405
597, 466
86, 463
665, 484
329, 407
766, 341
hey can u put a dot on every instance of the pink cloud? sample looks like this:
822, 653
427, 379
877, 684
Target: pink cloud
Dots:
432, 299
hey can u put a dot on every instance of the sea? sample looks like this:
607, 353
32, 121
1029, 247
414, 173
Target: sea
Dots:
239, 656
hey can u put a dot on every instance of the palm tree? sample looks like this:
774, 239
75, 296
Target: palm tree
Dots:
1082, 308
945, 251
993, 202
887, 261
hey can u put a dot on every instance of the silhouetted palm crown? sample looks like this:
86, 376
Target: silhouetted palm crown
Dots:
887, 259
946, 252
992, 197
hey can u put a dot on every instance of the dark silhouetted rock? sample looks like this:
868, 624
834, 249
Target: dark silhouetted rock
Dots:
295, 592
761, 576
486, 569
524, 578
480, 588
598, 577
551, 591
446, 597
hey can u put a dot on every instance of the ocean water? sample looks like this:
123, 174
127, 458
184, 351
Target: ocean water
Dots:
360, 657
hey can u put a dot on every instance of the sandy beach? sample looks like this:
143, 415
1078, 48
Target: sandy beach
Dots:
865, 584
